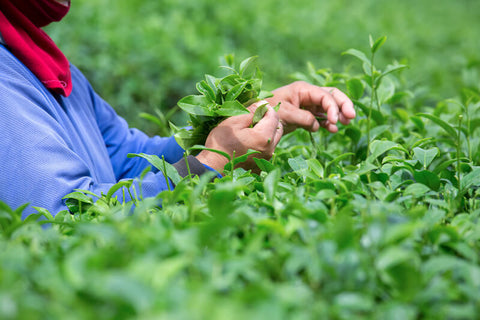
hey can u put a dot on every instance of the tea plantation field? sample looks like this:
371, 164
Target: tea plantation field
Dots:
378, 221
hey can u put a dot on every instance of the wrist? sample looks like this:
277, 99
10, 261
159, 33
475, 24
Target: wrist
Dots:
212, 159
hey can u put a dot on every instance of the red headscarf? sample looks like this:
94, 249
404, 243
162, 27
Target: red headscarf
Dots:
20, 23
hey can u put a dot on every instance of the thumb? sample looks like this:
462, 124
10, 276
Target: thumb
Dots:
238, 122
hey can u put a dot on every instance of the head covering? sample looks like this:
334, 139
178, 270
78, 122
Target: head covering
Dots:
20, 23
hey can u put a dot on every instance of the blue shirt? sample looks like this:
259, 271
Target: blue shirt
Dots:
51, 145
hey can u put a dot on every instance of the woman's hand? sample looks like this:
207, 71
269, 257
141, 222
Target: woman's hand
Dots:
235, 135
302, 103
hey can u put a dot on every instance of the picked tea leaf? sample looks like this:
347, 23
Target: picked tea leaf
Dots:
259, 113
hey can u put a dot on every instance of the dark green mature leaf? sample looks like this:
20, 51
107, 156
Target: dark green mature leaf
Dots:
428, 178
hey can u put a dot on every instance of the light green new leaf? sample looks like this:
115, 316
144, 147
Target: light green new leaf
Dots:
355, 88
270, 184
425, 156
416, 190
79, 196
160, 164
117, 186
264, 165
234, 92
377, 44
259, 113
231, 108
197, 105
360, 55
248, 66
389, 69
378, 147
316, 167
471, 179
206, 90
199, 147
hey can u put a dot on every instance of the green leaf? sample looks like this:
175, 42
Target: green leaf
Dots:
44, 212
235, 91
79, 196
416, 190
264, 165
389, 69
339, 158
270, 184
448, 128
259, 113
378, 43
248, 66
376, 115
206, 90
196, 105
428, 178
425, 156
198, 147
355, 88
231, 108
316, 167
360, 55
166, 168
116, 187
471, 179
378, 147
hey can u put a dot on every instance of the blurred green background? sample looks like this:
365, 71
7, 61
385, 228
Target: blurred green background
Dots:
141, 55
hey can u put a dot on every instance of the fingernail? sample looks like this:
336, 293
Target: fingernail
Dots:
335, 118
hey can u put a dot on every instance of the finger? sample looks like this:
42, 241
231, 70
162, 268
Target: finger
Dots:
253, 107
301, 118
318, 99
343, 101
278, 134
329, 126
238, 122
343, 119
267, 126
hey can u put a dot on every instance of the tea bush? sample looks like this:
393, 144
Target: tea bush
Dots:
378, 221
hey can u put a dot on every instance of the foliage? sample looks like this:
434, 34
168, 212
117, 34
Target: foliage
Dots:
220, 98
378, 221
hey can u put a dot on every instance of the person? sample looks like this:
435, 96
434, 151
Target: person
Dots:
59, 135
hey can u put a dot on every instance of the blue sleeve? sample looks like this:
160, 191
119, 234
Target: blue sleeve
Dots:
46, 152
121, 140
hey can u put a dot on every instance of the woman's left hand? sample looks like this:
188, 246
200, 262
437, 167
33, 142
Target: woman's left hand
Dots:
302, 103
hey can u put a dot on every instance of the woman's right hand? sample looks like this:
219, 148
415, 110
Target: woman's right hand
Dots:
235, 135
